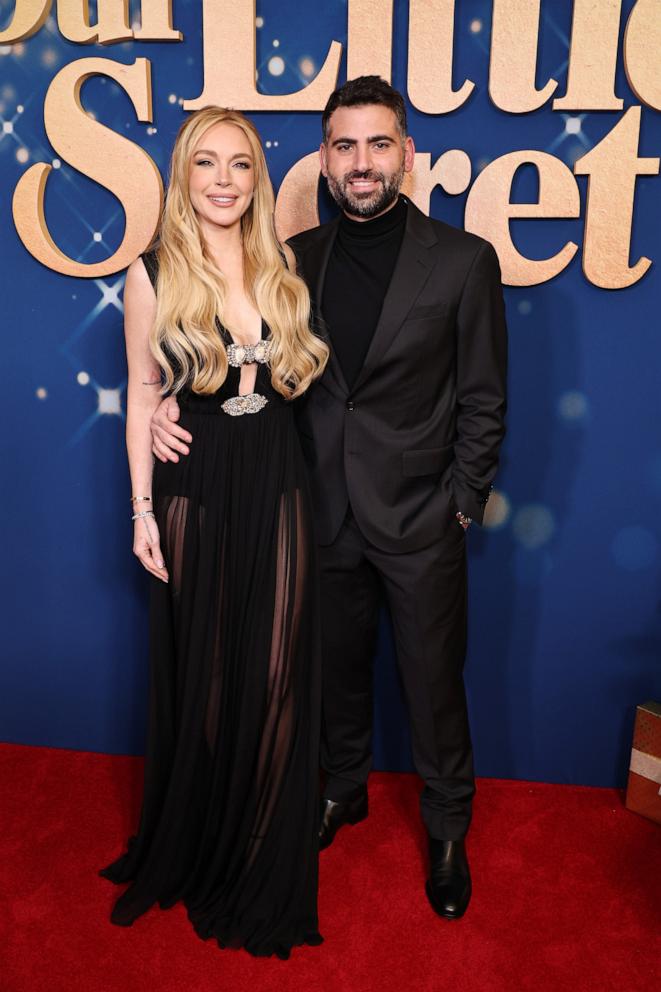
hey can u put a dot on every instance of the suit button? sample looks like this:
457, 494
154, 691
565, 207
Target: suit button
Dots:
350, 406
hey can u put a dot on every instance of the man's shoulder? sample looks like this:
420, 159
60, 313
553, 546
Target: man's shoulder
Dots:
455, 239
466, 251
305, 239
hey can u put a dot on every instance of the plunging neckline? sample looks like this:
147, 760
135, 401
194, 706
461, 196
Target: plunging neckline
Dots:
227, 337
225, 332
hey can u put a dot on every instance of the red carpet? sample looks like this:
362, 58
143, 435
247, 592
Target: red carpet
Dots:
566, 895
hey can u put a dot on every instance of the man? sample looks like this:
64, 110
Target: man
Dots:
401, 435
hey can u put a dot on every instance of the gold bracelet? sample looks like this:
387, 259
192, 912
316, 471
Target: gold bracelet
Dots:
141, 499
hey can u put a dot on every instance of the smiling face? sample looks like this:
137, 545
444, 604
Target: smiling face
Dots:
364, 159
221, 177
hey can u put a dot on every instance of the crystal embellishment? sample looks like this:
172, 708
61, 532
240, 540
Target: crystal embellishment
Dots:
247, 354
236, 406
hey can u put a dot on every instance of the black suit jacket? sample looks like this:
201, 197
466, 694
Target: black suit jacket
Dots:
417, 437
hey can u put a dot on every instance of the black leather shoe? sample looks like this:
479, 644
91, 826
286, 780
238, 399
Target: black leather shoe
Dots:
334, 815
448, 887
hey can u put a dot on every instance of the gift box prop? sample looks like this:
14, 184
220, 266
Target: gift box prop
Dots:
644, 785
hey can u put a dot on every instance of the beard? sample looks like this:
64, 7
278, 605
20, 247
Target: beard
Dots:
366, 205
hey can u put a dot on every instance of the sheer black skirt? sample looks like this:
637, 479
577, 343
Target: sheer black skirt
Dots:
230, 804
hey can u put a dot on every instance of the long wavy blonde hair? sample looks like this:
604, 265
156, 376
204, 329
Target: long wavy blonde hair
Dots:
190, 290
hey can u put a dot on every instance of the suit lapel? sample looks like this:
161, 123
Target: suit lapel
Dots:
414, 264
412, 269
315, 264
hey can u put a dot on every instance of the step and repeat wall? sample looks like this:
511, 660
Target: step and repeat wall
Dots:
536, 126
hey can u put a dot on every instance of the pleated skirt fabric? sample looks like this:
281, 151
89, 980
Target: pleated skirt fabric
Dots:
230, 806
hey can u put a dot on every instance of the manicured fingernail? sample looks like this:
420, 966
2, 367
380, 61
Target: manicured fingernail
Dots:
160, 564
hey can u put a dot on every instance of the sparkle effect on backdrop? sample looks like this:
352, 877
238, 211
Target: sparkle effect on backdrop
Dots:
564, 625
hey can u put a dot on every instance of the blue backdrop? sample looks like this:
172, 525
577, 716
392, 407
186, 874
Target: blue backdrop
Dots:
564, 623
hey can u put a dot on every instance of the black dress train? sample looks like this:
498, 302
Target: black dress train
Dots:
229, 815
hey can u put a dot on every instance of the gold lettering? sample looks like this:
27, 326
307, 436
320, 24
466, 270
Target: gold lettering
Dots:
431, 44
29, 17
109, 158
296, 206
592, 57
73, 18
489, 211
230, 65
642, 44
297, 210
369, 39
514, 39
612, 167
451, 171
157, 22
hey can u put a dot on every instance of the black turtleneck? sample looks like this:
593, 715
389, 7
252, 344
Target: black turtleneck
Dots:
357, 278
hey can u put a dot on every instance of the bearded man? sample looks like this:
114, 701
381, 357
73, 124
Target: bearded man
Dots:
401, 435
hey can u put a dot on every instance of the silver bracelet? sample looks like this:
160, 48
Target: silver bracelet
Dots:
144, 513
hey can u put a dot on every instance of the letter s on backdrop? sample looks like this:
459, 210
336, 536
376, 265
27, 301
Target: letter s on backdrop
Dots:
100, 153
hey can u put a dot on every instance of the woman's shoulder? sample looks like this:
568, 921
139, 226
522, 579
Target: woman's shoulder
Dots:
140, 281
150, 262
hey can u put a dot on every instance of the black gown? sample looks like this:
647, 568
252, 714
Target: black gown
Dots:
229, 816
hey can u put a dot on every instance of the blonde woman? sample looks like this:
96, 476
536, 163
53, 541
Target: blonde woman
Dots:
214, 315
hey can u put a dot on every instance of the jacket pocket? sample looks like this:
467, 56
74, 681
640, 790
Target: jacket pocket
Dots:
435, 311
427, 461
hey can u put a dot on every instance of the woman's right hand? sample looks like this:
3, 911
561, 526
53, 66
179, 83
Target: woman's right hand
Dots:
147, 547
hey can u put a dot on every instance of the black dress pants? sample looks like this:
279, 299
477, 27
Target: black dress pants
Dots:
426, 595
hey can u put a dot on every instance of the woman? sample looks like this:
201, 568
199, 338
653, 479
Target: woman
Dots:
229, 815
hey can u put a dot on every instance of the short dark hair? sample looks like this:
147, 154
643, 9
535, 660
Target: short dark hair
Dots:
362, 91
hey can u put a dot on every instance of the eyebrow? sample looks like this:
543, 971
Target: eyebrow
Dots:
207, 151
370, 140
